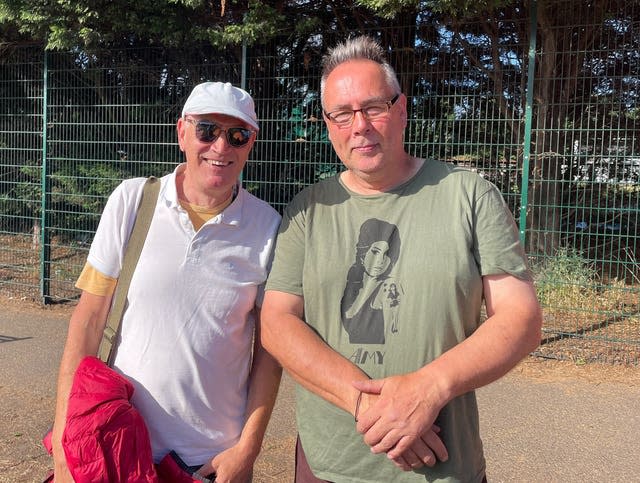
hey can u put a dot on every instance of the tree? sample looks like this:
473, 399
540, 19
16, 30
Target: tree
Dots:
64, 24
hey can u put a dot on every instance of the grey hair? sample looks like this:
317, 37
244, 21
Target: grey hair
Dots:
357, 48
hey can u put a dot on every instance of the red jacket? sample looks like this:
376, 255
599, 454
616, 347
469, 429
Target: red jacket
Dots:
105, 439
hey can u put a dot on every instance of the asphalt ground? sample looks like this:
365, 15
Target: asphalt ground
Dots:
546, 421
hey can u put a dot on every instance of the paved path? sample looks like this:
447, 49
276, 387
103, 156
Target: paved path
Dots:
544, 422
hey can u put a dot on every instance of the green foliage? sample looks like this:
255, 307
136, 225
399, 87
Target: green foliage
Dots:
64, 24
455, 8
78, 193
633, 114
260, 22
565, 279
389, 8
20, 200
305, 155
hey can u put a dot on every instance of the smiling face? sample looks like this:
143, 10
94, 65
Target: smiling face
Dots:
371, 150
212, 168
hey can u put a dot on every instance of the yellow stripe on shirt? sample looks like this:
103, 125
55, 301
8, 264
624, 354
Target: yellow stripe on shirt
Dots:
94, 282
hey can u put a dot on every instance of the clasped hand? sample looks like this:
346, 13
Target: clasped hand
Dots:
397, 417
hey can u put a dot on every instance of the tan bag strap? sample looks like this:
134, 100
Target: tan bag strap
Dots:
131, 256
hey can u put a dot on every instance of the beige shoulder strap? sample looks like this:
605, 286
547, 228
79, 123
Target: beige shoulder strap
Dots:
132, 253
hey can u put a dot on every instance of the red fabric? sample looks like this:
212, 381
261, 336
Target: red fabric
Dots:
169, 472
105, 439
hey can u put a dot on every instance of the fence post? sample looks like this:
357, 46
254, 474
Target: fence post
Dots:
45, 236
528, 116
243, 82
243, 67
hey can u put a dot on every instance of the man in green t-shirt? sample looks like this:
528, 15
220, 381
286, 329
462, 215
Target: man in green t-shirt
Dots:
374, 298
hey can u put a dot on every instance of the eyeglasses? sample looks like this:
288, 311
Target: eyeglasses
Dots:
208, 132
376, 110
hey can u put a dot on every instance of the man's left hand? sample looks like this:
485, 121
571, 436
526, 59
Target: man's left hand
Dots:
404, 411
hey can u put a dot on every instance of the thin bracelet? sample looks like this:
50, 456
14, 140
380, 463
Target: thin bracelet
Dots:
355, 414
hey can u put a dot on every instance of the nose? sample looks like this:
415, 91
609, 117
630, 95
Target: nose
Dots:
360, 123
221, 143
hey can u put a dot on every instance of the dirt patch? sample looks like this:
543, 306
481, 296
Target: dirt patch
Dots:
32, 304
549, 370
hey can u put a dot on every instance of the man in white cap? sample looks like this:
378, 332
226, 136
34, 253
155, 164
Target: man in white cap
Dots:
203, 383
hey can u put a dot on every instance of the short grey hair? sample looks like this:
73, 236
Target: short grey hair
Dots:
357, 48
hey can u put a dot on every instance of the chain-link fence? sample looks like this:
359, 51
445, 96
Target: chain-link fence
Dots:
554, 124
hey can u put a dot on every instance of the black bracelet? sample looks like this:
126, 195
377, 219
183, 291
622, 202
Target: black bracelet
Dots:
355, 414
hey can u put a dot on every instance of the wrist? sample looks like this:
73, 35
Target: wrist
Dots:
250, 447
438, 379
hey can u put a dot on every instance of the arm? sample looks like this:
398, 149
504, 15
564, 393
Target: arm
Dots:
236, 463
85, 332
309, 360
409, 404
321, 370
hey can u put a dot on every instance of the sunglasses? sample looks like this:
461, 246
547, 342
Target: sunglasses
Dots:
208, 132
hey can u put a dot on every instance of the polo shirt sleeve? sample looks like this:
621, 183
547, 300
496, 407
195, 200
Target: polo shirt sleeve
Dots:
116, 223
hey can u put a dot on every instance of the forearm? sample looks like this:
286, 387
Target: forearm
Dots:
83, 338
263, 389
309, 360
409, 403
72, 355
511, 331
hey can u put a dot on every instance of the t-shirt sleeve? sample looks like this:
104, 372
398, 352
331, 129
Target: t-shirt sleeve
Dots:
269, 254
288, 261
497, 247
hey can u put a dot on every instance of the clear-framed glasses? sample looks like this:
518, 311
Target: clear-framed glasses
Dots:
208, 132
371, 112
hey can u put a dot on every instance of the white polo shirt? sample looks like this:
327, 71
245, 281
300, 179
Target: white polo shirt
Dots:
187, 331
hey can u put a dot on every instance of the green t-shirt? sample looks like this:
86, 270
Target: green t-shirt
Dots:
391, 281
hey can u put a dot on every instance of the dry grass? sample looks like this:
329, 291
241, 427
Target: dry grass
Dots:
585, 322
539, 370
20, 268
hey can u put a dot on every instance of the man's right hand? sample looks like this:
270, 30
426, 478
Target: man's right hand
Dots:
424, 451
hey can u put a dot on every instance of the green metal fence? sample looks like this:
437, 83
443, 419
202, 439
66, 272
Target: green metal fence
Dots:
584, 206
21, 147
553, 124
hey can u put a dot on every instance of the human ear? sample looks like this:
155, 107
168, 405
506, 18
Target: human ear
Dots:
180, 131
